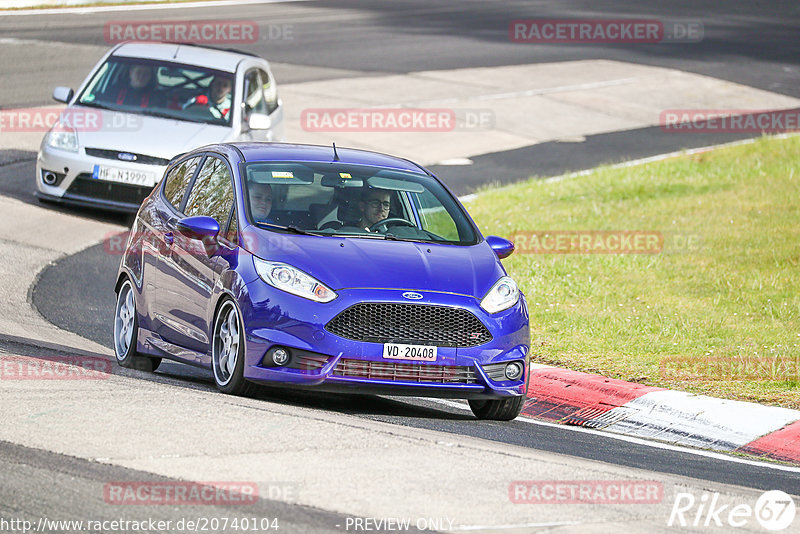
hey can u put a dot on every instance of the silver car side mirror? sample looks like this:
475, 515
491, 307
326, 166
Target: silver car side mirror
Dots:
63, 94
259, 121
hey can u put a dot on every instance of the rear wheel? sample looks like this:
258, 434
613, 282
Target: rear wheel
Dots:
497, 410
126, 327
227, 351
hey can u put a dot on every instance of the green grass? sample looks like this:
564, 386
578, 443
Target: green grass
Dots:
728, 303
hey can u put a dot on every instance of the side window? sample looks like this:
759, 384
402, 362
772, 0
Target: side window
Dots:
212, 193
270, 91
253, 94
233, 230
176, 181
434, 217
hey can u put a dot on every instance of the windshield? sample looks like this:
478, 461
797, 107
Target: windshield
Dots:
354, 201
169, 90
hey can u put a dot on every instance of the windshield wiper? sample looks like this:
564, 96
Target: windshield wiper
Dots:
96, 105
390, 237
151, 113
292, 229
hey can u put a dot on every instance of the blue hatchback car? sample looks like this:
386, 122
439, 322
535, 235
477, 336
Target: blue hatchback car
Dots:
323, 268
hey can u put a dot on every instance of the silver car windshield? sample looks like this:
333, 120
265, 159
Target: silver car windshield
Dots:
355, 201
169, 90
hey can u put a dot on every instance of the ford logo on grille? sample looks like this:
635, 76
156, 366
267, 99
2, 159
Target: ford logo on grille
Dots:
411, 295
126, 156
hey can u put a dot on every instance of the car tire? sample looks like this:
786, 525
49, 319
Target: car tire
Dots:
126, 329
497, 410
227, 351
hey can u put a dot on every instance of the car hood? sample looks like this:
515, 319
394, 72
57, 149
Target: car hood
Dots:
342, 263
151, 136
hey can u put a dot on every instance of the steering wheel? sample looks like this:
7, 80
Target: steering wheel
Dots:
385, 224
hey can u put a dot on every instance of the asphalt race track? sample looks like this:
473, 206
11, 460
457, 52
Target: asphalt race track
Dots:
752, 44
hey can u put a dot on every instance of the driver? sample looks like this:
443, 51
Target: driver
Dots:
218, 98
374, 205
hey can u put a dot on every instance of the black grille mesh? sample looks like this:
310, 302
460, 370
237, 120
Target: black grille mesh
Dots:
85, 185
418, 324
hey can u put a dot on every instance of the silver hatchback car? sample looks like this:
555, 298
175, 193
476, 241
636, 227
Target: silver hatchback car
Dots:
143, 104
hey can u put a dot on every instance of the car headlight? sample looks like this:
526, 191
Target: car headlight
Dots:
63, 138
503, 295
292, 280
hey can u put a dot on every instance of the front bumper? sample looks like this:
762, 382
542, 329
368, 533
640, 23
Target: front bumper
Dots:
324, 361
78, 185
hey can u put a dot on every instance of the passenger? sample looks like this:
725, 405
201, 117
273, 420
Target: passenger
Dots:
260, 201
139, 89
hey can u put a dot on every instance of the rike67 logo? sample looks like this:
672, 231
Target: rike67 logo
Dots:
774, 510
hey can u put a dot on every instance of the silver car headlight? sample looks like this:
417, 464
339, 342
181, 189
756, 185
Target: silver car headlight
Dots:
63, 138
503, 295
292, 280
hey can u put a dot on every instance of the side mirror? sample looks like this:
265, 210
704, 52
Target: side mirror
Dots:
259, 121
501, 246
205, 229
63, 94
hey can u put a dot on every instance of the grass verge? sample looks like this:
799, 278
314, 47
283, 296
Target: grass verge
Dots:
714, 308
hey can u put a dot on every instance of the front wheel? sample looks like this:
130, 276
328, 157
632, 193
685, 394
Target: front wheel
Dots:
126, 327
227, 351
497, 410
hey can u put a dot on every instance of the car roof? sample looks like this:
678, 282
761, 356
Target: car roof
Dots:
213, 58
321, 153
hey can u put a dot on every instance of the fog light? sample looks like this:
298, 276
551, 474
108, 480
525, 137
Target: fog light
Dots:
280, 356
514, 370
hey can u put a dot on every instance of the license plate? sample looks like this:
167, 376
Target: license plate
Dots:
398, 351
125, 176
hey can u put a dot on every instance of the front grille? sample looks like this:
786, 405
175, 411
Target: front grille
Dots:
405, 372
114, 154
419, 324
308, 361
85, 185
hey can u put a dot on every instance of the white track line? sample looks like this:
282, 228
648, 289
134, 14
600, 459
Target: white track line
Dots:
669, 155
137, 7
634, 162
507, 527
638, 441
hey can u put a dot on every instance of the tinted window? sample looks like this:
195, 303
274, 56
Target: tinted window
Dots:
212, 193
176, 181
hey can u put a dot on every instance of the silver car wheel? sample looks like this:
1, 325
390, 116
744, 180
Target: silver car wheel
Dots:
124, 321
227, 335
